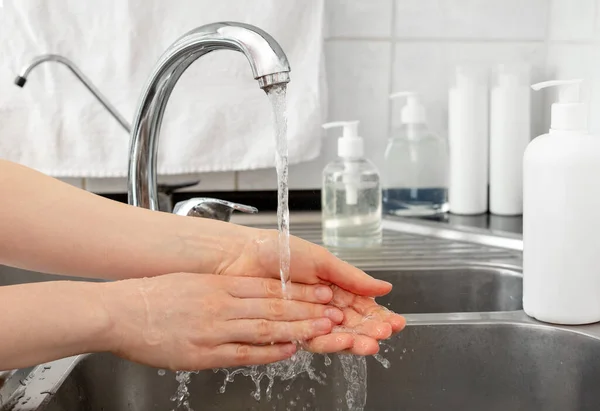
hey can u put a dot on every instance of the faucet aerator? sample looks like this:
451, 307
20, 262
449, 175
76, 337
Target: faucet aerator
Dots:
269, 80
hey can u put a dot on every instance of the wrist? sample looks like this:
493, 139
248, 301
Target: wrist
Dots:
98, 319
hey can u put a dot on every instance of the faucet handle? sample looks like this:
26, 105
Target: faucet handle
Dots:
210, 208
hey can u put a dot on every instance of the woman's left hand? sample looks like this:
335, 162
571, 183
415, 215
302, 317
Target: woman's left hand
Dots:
365, 321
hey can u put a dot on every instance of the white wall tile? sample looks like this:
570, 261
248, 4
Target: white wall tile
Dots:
223, 181
359, 18
264, 179
428, 69
76, 182
303, 176
567, 61
359, 85
358, 74
572, 20
471, 19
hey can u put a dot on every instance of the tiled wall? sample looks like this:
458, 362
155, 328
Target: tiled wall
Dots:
375, 47
574, 49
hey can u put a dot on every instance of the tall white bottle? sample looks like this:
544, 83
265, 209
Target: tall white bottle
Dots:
561, 258
468, 136
510, 133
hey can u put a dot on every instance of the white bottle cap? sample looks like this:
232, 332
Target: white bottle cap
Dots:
350, 144
569, 113
413, 112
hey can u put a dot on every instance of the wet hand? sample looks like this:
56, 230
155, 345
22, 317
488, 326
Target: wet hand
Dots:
365, 322
199, 321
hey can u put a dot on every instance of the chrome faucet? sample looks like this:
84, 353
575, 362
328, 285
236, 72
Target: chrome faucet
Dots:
165, 191
269, 66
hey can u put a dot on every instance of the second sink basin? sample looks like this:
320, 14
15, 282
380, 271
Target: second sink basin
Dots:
493, 364
452, 290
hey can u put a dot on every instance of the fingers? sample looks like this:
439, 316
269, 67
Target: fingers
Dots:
364, 345
371, 327
234, 355
283, 310
266, 332
252, 287
339, 341
367, 308
331, 343
333, 270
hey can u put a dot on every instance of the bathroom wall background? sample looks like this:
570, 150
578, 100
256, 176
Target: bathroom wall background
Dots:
378, 46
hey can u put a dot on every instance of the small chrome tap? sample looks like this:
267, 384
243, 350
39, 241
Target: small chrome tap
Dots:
21, 79
269, 66
165, 191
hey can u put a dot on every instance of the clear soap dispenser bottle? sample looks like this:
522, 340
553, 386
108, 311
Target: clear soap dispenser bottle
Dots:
351, 195
415, 177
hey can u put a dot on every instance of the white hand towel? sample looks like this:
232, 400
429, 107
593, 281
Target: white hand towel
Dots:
217, 119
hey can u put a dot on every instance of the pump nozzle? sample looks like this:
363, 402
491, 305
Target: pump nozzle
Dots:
413, 112
350, 144
350, 127
568, 92
568, 113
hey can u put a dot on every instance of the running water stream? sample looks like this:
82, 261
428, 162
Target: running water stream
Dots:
354, 368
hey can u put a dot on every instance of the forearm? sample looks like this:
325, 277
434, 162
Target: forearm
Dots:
46, 321
50, 226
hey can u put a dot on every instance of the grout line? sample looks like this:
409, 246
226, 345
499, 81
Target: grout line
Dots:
545, 114
589, 42
236, 181
392, 71
434, 39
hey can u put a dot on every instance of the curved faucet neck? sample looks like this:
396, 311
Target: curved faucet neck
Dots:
269, 66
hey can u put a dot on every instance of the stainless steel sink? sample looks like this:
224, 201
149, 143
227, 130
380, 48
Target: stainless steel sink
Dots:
446, 290
468, 346
13, 276
502, 362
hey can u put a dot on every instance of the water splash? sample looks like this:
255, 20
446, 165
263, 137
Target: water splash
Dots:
382, 360
287, 370
355, 372
181, 397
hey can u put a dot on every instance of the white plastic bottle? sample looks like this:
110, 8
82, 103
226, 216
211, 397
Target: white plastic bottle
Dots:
561, 258
415, 177
510, 132
351, 195
468, 136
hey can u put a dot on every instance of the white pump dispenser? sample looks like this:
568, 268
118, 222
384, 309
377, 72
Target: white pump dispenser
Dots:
350, 144
568, 113
413, 112
561, 197
351, 195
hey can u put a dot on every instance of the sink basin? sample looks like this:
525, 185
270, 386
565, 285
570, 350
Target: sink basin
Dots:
469, 365
13, 276
450, 290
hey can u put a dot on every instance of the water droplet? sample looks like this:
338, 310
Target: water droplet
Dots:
162, 373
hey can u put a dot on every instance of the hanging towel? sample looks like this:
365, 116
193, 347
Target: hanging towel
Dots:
217, 118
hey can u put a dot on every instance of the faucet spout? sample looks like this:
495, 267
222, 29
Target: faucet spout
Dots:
21, 80
269, 66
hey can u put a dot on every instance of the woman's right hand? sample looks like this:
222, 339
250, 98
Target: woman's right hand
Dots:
200, 321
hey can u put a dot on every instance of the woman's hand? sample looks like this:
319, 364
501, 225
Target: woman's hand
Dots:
365, 322
200, 321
